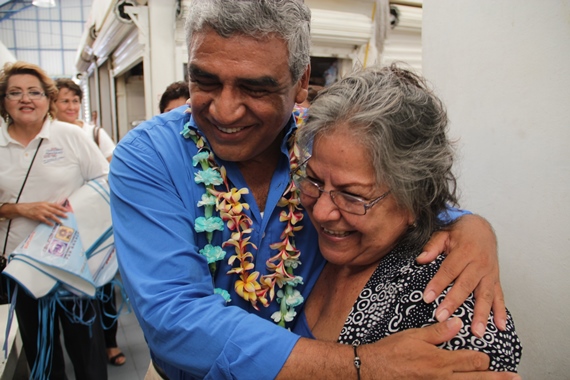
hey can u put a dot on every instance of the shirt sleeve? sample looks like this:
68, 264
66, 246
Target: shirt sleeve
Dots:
91, 161
451, 214
187, 327
106, 143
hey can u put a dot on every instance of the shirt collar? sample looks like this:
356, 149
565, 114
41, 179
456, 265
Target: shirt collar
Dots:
5, 138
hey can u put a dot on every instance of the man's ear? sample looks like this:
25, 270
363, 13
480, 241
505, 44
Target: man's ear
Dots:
303, 86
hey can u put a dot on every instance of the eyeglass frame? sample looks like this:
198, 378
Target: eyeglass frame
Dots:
40, 94
367, 204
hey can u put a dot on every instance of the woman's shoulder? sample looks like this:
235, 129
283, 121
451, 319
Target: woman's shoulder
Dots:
408, 310
60, 127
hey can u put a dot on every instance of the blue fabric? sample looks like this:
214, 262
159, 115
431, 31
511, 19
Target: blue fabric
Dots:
191, 332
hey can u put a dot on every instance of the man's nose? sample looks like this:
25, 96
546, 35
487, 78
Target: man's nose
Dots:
227, 107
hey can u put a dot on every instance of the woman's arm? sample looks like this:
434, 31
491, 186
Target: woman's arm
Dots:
45, 212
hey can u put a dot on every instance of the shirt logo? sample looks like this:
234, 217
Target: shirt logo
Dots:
53, 154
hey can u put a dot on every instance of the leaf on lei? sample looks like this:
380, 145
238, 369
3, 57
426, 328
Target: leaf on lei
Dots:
211, 224
223, 293
207, 200
213, 253
208, 177
199, 157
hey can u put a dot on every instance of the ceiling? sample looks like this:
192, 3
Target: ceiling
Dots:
8, 8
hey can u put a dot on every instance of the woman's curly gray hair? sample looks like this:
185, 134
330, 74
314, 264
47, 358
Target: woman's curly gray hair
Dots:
289, 19
402, 125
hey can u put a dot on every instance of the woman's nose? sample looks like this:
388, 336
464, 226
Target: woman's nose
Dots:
324, 208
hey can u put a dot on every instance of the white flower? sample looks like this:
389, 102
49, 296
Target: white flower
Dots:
276, 316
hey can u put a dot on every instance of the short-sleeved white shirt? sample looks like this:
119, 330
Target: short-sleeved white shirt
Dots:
106, 143
66, 160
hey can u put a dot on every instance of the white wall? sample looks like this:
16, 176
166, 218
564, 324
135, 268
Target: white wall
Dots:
503, 69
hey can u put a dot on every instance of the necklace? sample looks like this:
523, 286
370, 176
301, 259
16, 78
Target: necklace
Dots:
224, 209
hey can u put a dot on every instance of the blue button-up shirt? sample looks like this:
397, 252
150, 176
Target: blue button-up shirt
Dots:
192, 332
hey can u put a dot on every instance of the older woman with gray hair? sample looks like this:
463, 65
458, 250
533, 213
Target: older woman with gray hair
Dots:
376, 186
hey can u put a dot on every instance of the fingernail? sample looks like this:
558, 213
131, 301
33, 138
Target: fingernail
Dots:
429, 297
452, 322
516, 377
478, 329
422, 255
502, 325
442, 315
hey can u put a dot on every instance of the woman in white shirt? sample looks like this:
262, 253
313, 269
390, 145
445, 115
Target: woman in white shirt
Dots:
42, 162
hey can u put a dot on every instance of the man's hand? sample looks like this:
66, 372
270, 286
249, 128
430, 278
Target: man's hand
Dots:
412, 354
472, 263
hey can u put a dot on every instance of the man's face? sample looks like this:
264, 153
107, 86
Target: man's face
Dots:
241, 92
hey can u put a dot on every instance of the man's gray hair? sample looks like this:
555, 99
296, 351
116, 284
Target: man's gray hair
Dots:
402, 125
288, 19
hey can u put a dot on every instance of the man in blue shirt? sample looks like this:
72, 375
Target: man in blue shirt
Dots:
213, 246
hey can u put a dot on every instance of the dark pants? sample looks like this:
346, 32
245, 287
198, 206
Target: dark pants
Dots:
108, 311
84, 344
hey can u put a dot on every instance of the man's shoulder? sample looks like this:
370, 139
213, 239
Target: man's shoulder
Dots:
164, 128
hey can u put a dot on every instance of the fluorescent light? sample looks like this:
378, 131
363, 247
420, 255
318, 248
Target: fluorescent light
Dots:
44, 3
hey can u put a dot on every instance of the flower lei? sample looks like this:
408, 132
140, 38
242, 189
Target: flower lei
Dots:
227, 202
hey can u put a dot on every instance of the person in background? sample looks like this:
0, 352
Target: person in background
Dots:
175, 95
214, 249
378, 176
68, 105
42, 162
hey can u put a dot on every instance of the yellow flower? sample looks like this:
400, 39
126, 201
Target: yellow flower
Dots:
246, 287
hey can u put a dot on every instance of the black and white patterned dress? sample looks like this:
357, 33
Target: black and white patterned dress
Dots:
392, 301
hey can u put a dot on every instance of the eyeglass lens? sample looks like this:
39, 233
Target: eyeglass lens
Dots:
18, 95
343, 201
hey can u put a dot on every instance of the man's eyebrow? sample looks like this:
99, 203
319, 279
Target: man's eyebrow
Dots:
196, 71
265, 81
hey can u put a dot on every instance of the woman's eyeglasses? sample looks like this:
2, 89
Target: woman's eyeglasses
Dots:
18, 95
345, 202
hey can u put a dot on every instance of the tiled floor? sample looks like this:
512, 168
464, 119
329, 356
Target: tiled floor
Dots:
131, 341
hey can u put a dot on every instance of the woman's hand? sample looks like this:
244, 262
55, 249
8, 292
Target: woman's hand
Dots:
473, 265
45, 212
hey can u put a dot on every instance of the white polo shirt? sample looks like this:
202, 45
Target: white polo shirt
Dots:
106, 143
66, 160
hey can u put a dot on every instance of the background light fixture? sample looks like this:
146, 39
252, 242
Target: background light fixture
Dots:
44, 3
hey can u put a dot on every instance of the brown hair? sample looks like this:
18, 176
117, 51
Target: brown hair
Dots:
21, 67
173, 91
70, 85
